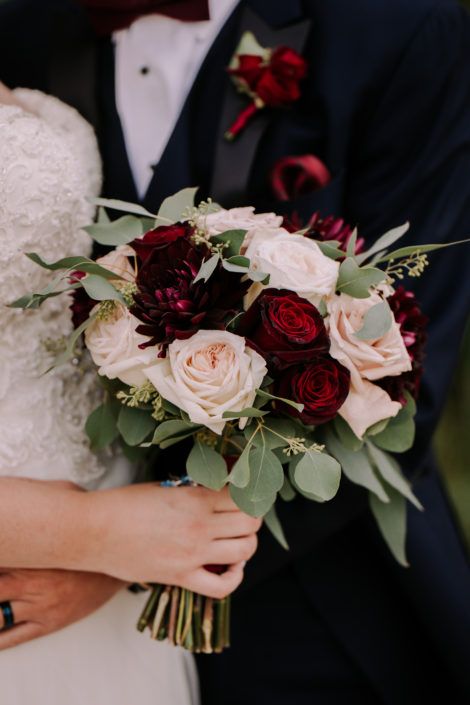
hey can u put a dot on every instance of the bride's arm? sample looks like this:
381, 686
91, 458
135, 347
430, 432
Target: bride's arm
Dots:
143, 532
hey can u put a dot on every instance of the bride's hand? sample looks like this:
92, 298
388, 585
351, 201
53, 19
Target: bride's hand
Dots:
44, 601
148, 533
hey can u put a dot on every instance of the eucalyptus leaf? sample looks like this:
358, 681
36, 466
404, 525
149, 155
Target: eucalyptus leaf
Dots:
81, 264
376, 322
412, 249
242, 498
287, 492
249, 412
356, 281
33, 301
294, 461
399, 434
330, 248
318, 474
118, 232
207, 268
174, 207
266, 474
206, 467
239, 261
384, 242
265, 395
240, 473
346, 435
101, 427
135, 425
351, 248
69, 351
125, 206
274, 432
391, 473
391, 520
103, 217
356, 466
100, 289
271, 520
233, 238
172, 428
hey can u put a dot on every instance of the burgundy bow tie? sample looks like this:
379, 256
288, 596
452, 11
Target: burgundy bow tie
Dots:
107, 16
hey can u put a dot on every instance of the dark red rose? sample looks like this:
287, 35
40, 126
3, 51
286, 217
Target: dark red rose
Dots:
81, 303
171, 305
160, 238
413, 324
295, 176
322, 386
284, 328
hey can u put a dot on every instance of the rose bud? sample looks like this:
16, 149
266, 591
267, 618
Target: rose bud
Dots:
159, 238
285, 328
321, 386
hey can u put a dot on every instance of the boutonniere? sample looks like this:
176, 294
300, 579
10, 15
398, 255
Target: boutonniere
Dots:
269, 77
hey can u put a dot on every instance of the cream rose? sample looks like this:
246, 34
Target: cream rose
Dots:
237, 219
367, 360
293, 262
211, 372
117, 261
114, 347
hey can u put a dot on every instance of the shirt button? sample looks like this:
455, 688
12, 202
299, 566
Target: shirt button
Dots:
144, 70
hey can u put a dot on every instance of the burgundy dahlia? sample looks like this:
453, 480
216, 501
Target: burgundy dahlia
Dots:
321, 386
284, 328
81, 303
413, 329
170, 304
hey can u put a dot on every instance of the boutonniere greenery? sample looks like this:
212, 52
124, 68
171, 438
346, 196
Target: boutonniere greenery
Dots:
269, 77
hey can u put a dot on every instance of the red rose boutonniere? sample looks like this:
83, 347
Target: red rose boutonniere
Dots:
269, 77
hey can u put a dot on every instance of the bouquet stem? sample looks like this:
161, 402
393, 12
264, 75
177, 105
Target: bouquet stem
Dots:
197, 623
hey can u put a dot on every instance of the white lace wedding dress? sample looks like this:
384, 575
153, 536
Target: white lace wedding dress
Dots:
49, 171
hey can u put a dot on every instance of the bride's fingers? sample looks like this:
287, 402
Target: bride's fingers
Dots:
22, 612
229, 551
225, 525
19, 634
217, 586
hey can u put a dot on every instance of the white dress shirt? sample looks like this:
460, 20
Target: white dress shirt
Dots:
156, 62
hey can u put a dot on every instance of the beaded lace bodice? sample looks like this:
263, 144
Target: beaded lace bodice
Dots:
49, 172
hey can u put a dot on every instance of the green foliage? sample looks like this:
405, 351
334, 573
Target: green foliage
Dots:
391, 520
124, 206
135, 425
116, 232
101, 426
383, 243
207, 268
376, 322
356, 466
399, 433
81, 264
318, 474
100, 289
206, 466
356, 281
232, 238
391, 473
271, 520
174, 207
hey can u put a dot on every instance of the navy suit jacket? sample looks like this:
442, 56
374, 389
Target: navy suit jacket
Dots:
386, 105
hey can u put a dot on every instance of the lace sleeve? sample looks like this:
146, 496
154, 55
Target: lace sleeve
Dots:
49, 171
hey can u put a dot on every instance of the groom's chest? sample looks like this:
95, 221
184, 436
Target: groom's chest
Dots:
189, 147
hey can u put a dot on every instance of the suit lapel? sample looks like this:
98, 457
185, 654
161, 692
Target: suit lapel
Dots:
229, 184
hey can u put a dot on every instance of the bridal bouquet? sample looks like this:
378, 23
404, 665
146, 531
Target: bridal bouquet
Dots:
280, 359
